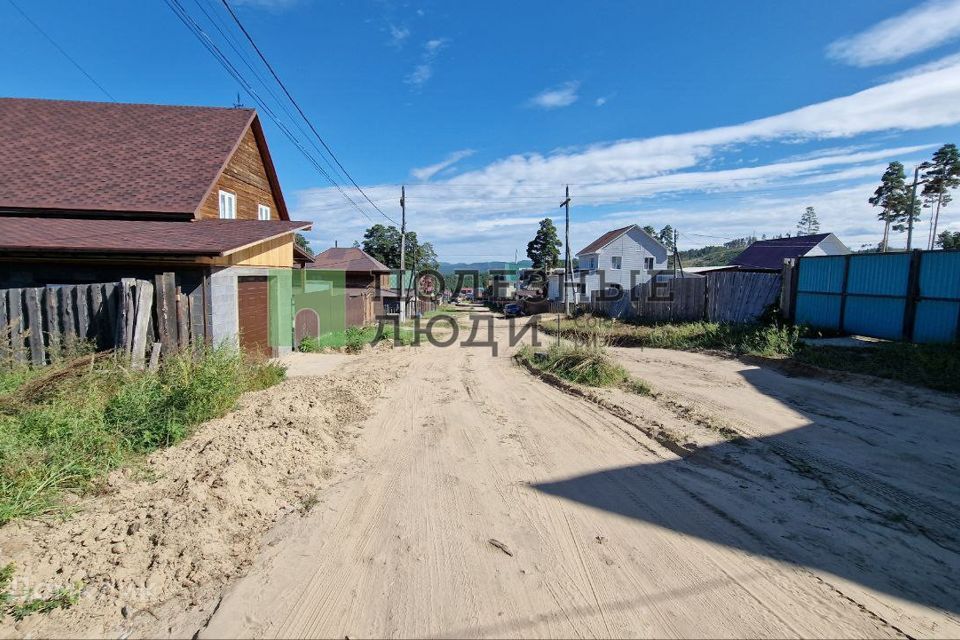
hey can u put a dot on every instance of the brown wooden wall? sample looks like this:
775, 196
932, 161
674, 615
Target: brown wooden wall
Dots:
245, 176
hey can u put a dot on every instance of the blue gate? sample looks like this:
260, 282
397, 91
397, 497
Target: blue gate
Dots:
899, 296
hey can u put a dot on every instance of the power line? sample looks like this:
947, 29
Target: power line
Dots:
299, 110
215, 51
61, 50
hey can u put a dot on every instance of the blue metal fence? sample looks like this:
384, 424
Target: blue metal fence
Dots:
899, 296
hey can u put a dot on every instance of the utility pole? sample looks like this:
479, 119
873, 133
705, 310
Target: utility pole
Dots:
676, 256
403, 250
567, 266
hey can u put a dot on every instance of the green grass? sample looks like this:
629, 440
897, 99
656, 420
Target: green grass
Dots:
753, 339
928, 365
582, 365
18, 609
932, 366
353, 339
64, 426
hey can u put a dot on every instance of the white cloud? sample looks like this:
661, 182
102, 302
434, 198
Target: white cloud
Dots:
599, 102
921, 28
557, 97
398, 35
935, 65
424, 70
669, 167
425, 173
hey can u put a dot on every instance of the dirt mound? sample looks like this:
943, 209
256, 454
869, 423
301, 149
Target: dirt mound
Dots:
168, 535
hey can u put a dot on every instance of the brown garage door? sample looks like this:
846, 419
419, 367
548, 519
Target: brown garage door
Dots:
253, 314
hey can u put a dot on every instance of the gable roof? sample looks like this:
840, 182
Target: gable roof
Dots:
610, 236
770, 254
153, 237
347, 259
65, 156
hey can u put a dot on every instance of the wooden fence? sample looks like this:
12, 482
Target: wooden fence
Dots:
723, 296
139, 318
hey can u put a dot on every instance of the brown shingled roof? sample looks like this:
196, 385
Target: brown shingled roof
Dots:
157, 237
347, 259
604, 240
104, 157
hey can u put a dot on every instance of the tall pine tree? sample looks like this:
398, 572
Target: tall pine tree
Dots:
892, 198
808, 223
942, 176
544, 249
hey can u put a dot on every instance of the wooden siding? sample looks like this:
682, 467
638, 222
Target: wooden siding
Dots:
272, 253
246, 176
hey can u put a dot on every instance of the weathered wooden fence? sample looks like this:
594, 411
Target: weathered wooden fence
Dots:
724, 296
139, 318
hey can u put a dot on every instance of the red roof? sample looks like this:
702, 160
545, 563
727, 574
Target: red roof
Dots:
160, 237
347, 259
133, 158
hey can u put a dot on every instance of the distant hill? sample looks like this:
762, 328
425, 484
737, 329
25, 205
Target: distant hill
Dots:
483, 267
709, 256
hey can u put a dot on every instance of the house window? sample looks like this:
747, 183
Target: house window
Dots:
648, 264
228, 205
263, 212
616, 262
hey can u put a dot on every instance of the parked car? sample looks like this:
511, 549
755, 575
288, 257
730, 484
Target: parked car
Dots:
513, 309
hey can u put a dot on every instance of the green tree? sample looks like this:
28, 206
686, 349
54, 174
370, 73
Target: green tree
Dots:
650, 230
949, 240
302, 242
666, 237
544, 249
892, 198
942, 176
808, 223
383, 243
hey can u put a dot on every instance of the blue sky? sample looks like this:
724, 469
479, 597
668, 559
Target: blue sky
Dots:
721, 120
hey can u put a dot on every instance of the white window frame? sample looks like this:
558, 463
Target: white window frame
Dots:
227, 198
613, 262
648, 260
263, 212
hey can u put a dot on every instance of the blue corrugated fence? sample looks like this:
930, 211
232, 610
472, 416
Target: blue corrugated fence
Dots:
899, 296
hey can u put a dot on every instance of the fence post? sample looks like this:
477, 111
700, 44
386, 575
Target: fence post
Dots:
843, 291
913, 293
34, 316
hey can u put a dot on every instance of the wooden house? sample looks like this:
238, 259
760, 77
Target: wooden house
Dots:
95, 192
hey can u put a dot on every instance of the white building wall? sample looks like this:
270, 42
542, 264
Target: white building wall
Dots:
632, 247
829, 246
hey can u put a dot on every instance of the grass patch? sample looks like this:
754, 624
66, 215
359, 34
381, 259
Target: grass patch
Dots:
20, 608
582, 365
64, 426
769, 340
353, 339
936, 366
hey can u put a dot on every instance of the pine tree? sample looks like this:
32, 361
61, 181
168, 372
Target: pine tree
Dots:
808, 223
544, 249
666, 237
943, 175
650, 230
892, 198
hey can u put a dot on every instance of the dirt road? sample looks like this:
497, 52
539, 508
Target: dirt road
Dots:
484, 502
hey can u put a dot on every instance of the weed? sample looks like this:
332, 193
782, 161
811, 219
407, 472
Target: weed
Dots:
64, 427
63, 598
582, 365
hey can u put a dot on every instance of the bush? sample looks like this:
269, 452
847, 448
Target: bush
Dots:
67, 425
355, 338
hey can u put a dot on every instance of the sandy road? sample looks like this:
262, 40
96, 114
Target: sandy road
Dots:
601, 531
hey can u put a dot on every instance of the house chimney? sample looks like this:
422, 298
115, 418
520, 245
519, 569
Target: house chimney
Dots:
334, 244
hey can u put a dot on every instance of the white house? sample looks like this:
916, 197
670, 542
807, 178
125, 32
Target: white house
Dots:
622, 258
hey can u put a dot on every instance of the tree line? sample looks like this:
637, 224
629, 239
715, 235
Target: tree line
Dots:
898, 206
